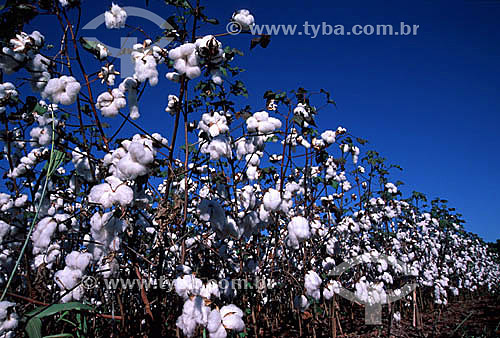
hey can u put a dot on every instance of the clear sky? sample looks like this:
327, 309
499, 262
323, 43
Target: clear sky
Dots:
429, 102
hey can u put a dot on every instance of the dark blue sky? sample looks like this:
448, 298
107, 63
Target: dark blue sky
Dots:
428, 102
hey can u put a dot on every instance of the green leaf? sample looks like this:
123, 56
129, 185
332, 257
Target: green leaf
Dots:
335, 184
56, 308
34, 328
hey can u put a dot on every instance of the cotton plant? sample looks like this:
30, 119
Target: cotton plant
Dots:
236, 193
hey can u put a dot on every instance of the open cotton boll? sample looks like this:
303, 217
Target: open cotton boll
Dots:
114, 191
244, 19
172, 103
194, 312
312, 283
272, 200
187, 286
116, 17
42, 234
213, 123
8, 319
130, 86
217, 148
232, 317
78, 260
331, 289
111, 103
391, 188
216, 76
328, 136
185, 61
298, 230
62, 90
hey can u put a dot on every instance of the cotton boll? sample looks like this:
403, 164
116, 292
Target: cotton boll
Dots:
232, 317
298, 230
217, 148
172, 103
111, 103
62, 90
115, 18
114, 191
130, 86
328, 136
8, 319
244, 19
272, 200
391, 188
312, 283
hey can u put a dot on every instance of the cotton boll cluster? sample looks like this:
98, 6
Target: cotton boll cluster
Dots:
62, 90
113, 192
298, 231
116, 17
70, 276
146, 58
194, 313
7, 92
214, 123
186, 61
8, 319
312, 283
173, 101
44, 230
29, 161
111, 103
132, 159
130, 85
370, 293
261, 122
244, 19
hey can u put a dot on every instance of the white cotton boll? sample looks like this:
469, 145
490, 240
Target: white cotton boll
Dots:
252, 173
244, 19
115, 18
8, 322
4, 229
391, 188
21, 200
214, 326
272, 200
328, 136
77, 260
111, 103
172, 103
62, 90
193, 72
232, 317
312, 283
299, 228
216, 76
42, 234
217, 148
130, 86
